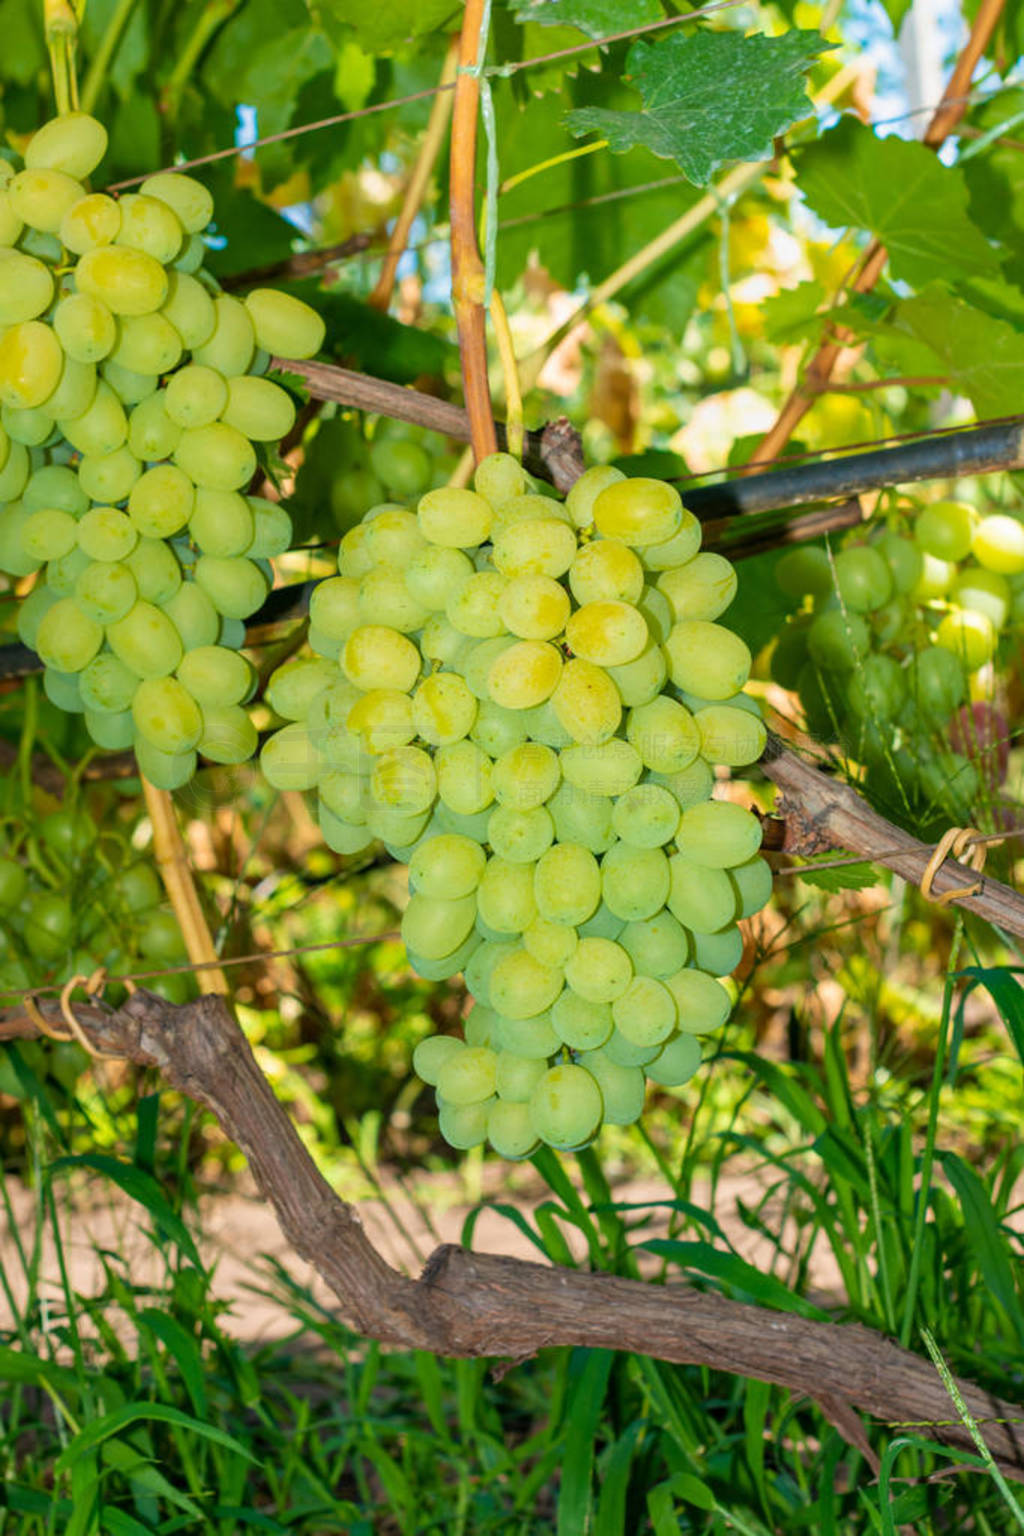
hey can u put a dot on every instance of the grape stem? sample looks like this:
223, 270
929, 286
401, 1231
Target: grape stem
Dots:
437, 127
100, 61
60, 26
467, 266
814, 379
172, 862
210, 19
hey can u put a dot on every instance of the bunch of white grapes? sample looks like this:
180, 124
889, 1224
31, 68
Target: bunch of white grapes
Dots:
525, 700
131, 398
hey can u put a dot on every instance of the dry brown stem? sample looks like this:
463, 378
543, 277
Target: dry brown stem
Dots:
472, 1304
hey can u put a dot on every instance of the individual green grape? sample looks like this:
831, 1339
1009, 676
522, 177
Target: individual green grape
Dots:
67, 638
434, 926
108, 478
646, 816
945, 529
804, 571
431, 1054
454, 518
622, 1087
48, 534
936, 683
707, 659
586, 702
73, 143
606, 570
30, 428
718, 953
114, 732
102, 428
381, 719
903, 557
524, 674
236, 586
862, 578
284, 325
49, 923
129, 386
838, 641
550, 943
230, 346
528, 508
665, 735
537, 547
432, 574
149, 224
108, 686
62, 690
718, 834
464, 777
258, 408
676, 1062
195, 396
221, 523
447, 866
731, 736
703, 588
31, 361
155, 568
290, 759
877, 689
128, 282
193, 616
640, 512
634, 881
521, 837
658, 946
984, 591
998, 544
499, 477
582, 817
602, 925
702, 1003
375, 656
969, 635
75, 391
384, 598
641, 680
566, 1106
295, 685
403, 779
40, 198
216, 457
609, 769
106, 591
521, 987
186, 196
26, 287
505, 897
607, 633
146, 641
525, 776
272, 529
164, 770
585, 491
146, 345
464, 1125
599, 970
701, 898
160, 502
166, 714
31, 610
567, 884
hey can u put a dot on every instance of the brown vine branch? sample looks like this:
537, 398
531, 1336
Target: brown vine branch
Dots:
485, 1305
819, 371
437, 127
822, 813
467, 266
176, 874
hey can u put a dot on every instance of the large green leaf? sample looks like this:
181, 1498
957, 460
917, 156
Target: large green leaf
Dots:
982, 357
597, 18
903, 194
381, 28
709, 98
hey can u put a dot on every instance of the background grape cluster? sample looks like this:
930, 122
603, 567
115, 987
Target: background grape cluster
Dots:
524, 699
132, 406
893, 654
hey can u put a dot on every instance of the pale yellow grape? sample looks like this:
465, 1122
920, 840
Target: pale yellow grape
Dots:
166, 714
935, 579
753, 882
128, 282
731, 736
26, 287
334, 604
192, 255
75, 391
718, 834
603, 925
525, 674
658, 946
473, 607
195, 396
433, 926
189, 199
396, 828
703, 588
190, 309
382, 719
354, 556
718, 953
155, 568
403, 779
106, 591
109, 477
107, 685
295, 685
665, 734
586, 702
15, 472
385, 599
639, 512
566, 1107
55, 485
533, 607
474, 661
499, 477
231, 343
221, 523
259, 408
526, 775
10, 225
104, 533
214, 675
31, 361
702, 899
216, 457
690, 785
481, 968
146, 344
527, 508
505, 897
567, 884
431, 1054
585, 491
433, 574
391, 536
67, 638
193, 615
48, 534
533, 1038
91, 222
102, 428
290, 760
679, 549
640, 681
544, 726
634, 881
611, 768
702, 1003
464, 777
498, 730
272, 528
521, 987
30, 428
330, 708
161, 500
550, 943
678, 1061
467, 1076
344, 794
520, 836
85, 327
149, 225
538, 547
443, 709
517, 1076
378, 657
510, 1129
707, 659
657, 610
599, 970
581, 1024
998, 544
454, 518
74, 143
284, 325
464, 1125
41, 198
146, 640
606, 570
622, 1087
646, 816
969, 635
447, 865
607, 633
130, 387
984, 591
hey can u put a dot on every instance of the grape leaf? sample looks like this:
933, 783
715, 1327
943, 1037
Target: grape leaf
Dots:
792, 314
903, 194
709, 98
849, 877
382, 28
597, 18
982, 355
24, 52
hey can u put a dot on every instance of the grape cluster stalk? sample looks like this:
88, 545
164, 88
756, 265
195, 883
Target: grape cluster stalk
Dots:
525, 700
133, 401
894, 655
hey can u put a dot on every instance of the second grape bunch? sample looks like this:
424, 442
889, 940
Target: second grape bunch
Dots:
525, 700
